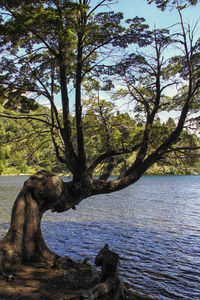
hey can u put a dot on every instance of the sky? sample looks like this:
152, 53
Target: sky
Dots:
153, 15
155, 18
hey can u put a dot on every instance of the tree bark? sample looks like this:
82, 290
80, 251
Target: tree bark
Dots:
24, 242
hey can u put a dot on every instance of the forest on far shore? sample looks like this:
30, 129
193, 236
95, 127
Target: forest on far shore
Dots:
26, 146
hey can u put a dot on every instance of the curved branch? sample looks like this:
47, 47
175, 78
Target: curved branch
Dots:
111, 153
57, 149
107, 187
97, 6
51, 100
45, 43
37, 148
179, 149
16, 140
28, 118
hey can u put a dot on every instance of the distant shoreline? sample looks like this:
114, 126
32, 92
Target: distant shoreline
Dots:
68, 175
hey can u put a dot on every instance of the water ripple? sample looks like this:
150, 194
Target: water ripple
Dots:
149, 260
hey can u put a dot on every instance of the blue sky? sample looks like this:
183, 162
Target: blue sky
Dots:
153, 15
155, 18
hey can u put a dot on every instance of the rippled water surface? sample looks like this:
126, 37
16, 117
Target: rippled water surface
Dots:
154, 225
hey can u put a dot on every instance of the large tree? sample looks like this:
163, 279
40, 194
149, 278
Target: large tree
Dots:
54, 49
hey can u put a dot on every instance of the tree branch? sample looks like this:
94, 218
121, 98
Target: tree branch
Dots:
25, 137
109, 154
97, 6
28, 118
150, 115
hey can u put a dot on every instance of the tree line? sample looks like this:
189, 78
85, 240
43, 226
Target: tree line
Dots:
26, 145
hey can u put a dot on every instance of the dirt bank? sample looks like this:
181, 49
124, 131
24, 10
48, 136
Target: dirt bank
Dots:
58, 283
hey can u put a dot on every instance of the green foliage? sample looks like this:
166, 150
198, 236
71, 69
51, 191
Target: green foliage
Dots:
103, 126
164, 3
32, 37
2, 167
25, 144
48, 46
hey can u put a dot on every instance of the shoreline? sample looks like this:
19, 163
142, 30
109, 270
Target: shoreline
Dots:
67, 175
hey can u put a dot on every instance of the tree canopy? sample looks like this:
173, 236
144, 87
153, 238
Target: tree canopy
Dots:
64, 50
164, 3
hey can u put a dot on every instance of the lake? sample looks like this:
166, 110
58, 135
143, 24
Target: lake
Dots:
154, 225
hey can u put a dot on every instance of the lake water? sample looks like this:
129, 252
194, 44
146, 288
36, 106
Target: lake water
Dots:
154, 225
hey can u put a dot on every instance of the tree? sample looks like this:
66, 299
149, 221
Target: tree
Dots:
50, 47
164, 3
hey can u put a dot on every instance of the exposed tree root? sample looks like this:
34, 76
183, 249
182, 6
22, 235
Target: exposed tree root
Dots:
66, 280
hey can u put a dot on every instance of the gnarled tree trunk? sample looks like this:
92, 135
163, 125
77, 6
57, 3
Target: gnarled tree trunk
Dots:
24, 242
